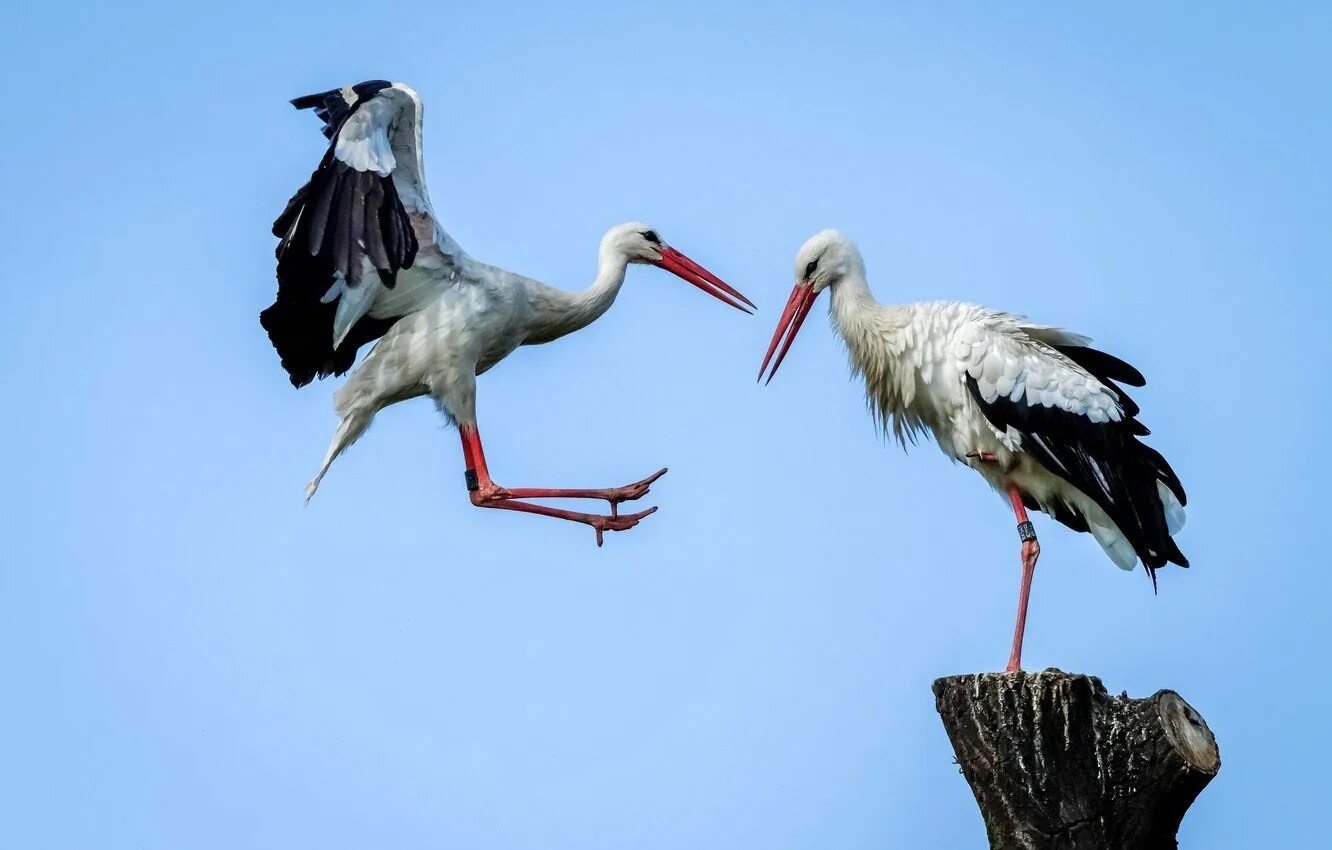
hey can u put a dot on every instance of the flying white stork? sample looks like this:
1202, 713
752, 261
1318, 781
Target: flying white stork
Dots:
363, 257
1034, 409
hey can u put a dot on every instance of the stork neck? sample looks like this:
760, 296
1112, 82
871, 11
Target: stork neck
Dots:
851, 301
868, 328
562, 312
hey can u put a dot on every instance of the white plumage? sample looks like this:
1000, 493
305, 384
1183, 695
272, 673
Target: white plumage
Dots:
1033, 409
363, 256
915, 360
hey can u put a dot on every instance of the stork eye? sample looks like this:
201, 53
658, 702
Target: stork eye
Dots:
809, 269
651, 236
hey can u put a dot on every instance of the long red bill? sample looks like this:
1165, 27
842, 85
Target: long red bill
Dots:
683, 267
793, 316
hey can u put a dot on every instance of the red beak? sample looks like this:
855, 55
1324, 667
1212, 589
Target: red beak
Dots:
683, 267
797, 308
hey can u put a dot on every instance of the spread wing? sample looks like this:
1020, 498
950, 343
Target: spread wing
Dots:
347, 233
1058, 400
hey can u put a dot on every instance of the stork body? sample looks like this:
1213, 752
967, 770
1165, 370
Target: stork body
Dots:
363, 257
1033, 409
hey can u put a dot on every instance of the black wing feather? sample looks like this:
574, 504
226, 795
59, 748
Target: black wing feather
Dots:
332, 108
1103, 366
339, 217
1059, 512
1104, 460
1109, 369
374, 234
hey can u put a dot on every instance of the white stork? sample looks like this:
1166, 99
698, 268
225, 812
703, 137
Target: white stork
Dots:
363, 257
1033, 409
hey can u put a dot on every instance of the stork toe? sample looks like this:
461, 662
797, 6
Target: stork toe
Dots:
630, 492
602, 524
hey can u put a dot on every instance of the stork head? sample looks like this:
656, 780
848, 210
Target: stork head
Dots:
826, 258
635, 242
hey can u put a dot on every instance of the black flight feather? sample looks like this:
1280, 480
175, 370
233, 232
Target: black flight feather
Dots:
333, 109
1102, 365
1060, 512
331, 224
1104, 460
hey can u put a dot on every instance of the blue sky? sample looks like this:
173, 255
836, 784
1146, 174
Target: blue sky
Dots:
194, 658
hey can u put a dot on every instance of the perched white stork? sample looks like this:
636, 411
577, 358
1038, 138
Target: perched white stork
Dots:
363, 257
1034, 409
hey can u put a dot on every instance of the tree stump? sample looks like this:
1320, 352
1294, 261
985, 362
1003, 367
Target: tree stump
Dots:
1055, 762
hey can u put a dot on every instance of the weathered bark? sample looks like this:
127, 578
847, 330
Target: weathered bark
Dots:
1055, 762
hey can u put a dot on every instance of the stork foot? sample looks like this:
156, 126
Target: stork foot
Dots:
630, 492
488, 491
485, 493
496, 497
602, 524
983, 457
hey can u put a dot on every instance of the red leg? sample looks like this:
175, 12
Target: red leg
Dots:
486, 493
614, 495
1031, 550
599, 522
475, 457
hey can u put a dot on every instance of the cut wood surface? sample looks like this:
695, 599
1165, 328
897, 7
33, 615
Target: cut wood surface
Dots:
1056, 762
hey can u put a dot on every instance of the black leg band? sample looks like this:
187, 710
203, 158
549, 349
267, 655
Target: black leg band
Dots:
473, 483
1026, 531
